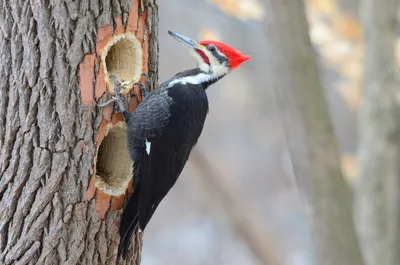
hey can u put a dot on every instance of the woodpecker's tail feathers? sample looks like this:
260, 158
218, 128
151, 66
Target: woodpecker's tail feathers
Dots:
129, 223
130, 219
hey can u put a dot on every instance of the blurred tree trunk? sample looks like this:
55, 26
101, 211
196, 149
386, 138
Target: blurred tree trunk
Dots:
47, 132
378, 197
309, 132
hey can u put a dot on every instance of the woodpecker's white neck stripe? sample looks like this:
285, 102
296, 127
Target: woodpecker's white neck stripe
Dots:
202, 77
195, 80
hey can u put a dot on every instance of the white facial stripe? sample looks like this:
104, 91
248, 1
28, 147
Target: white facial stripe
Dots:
211, 57
213, 60
220, 53
202, 65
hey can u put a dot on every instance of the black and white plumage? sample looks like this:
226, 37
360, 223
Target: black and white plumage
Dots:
165, 127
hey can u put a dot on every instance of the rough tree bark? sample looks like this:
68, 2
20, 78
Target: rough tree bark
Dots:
378, 197
51, 76
307, 125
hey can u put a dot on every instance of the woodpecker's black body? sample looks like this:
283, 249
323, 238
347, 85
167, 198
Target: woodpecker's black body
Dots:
165, 127
171, 119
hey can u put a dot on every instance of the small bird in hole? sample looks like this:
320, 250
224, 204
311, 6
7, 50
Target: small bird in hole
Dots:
165, 127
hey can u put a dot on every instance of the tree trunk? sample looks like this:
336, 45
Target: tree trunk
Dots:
60, 193
307, 125
378, 197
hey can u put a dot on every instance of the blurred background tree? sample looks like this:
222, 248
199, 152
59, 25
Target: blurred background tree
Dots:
377, 193
309, 132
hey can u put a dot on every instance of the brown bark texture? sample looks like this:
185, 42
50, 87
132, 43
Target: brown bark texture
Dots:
310, 136
377, 192
49, 135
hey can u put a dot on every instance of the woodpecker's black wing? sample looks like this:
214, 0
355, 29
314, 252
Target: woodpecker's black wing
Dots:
163, 170
150, 116
170, 150
153, 113
147, 121
171, 120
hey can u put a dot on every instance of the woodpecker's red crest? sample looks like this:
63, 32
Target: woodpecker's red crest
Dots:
214, 58
236, 58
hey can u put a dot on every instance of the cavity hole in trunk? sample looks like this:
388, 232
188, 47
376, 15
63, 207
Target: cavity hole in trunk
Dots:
113, 164
122, 56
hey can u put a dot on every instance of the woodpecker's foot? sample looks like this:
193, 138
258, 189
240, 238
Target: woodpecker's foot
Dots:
148, 82
108, 102
120, 104
117, 97
145, 89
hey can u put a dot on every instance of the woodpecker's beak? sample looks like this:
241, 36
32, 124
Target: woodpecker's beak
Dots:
186, 41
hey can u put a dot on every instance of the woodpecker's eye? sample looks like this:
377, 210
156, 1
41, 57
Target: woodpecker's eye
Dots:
211, 48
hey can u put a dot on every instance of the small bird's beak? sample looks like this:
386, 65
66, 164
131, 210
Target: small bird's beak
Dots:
189, 43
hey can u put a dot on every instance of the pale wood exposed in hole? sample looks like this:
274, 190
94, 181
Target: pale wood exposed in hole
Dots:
121, 56
113, 164
47, 136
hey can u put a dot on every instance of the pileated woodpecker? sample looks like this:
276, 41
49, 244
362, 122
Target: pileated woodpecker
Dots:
165, 126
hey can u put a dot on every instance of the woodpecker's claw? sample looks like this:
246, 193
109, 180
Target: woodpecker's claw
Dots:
148, 82
117, 97
118, 87
145, 89
142, 88
108, 102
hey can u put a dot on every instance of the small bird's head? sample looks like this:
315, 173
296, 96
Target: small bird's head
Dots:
213, 57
